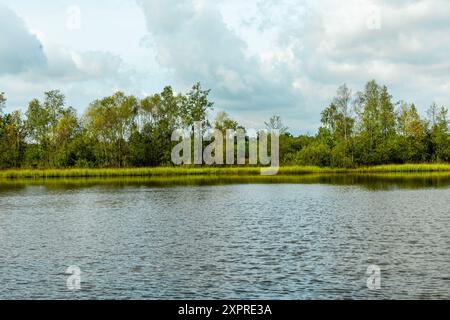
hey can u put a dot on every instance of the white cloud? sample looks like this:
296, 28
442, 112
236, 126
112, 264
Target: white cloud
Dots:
31, 63
335, 42
19, 49
192, 39
259, 57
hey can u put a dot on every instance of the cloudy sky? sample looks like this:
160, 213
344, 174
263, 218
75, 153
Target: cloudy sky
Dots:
259, 57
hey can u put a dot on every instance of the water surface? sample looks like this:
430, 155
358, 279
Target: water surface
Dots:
300, 238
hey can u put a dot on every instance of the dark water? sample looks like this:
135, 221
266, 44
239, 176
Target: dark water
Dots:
308, 240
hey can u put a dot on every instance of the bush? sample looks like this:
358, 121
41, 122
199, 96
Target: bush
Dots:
316, 154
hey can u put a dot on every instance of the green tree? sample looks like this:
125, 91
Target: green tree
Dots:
369, 136
54, 106
275, 123
67, 128
195, 106
223, 122
440, 137
387, 114
41, 123
375, 141
164, 112
121, 130
109, 122
37, 128
12, 140
317, 154
337, 125
341, 103
412, 134
386, 149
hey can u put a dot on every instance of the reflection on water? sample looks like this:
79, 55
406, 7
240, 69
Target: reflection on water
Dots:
369, 181
305, 237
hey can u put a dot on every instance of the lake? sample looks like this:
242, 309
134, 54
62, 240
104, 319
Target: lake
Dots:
309, 237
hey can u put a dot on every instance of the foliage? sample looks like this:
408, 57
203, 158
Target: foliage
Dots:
120, 131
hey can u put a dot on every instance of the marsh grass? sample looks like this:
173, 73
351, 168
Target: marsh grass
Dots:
184, 171
372, 181
422, 167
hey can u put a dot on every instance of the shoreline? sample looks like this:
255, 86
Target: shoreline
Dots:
213, 171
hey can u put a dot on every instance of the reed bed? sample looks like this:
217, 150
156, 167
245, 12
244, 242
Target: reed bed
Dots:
421, 167
199, 171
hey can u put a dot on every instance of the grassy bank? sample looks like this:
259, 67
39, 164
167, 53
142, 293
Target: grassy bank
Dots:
198, 171
423, 167
372, 181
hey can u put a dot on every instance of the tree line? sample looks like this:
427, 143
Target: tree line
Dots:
368, 128
364, 128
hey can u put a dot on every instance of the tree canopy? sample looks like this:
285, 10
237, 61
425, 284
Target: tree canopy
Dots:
357, 129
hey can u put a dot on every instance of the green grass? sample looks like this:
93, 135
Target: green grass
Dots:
422, 167
149, 172
205, 171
